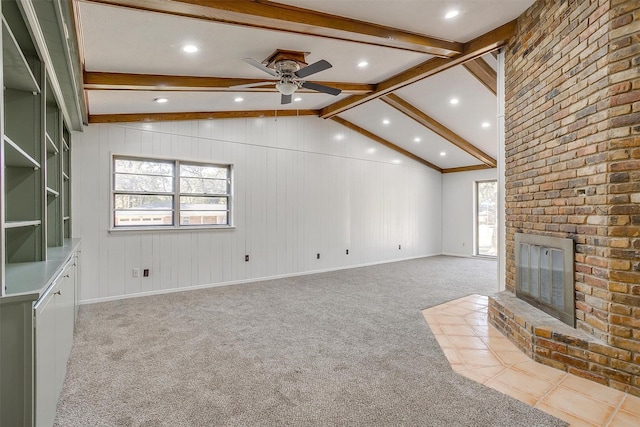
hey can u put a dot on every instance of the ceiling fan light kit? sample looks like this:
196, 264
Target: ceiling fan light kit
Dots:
286, 87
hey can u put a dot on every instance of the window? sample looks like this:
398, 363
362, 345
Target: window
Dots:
486, 218
170, 193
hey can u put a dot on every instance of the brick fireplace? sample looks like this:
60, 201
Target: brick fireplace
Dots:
572, 129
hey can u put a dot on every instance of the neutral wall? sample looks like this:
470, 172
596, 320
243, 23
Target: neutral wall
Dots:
302, 186
458, 198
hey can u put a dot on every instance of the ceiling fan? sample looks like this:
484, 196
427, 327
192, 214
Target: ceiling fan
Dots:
290, 77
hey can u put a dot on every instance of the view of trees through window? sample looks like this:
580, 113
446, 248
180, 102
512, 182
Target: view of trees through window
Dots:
149, 192
486, 218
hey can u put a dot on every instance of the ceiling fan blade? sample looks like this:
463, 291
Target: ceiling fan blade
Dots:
321, 88
260, 66
316, 67
285, 99
250, 85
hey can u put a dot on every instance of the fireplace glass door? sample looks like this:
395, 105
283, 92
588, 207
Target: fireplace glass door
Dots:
544, 274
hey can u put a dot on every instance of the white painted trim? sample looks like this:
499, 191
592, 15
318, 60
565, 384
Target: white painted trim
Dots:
457, 255
501, 238
241, 282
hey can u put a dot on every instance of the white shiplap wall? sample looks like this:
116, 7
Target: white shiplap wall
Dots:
302, 186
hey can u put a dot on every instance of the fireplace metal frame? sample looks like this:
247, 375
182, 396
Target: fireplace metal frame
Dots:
567, 315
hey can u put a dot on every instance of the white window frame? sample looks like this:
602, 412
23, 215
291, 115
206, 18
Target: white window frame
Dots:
175, 194
476, 217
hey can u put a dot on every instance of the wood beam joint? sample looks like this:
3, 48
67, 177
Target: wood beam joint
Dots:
484, 73
472, 50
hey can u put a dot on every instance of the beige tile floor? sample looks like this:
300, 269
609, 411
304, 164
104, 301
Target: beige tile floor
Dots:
479, 351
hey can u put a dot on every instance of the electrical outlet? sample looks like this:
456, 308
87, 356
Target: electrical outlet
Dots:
399, 247
246, 258
347, 251
136, 272
145, 272
318, 256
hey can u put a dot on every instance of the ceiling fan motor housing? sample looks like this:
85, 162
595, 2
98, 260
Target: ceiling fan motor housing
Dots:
287, 67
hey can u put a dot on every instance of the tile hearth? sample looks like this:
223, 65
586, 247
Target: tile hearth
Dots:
480, 352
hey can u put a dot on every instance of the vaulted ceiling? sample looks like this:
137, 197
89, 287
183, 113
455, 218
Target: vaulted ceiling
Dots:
417, 62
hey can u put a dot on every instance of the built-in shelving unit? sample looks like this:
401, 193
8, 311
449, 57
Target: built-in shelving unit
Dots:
38, 280
36, 171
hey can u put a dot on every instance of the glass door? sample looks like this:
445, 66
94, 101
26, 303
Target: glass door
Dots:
486, 217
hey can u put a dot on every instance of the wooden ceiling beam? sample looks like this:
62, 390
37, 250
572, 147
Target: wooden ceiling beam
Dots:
384, 142
286, 18
472, 50
484, 73
162, 117
158, 82
438, 128
466, 168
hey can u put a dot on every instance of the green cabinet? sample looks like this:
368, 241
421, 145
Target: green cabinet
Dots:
36, 332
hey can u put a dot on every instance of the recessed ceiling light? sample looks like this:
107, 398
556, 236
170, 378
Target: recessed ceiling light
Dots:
486, 124
298, 99
371, 150
385, 122
362, 64
442, 153
416, 139
189, 48
161, 100
396, 161
451, 14
454, 101
339, 137
239, 99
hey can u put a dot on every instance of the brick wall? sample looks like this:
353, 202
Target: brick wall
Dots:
573, 157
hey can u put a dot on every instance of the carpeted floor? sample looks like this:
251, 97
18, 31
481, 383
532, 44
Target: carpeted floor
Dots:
346, 348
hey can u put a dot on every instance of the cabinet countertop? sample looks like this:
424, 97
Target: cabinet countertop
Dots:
33, 278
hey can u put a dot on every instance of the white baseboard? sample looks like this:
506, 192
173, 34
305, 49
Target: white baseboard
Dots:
457, 255
240, 282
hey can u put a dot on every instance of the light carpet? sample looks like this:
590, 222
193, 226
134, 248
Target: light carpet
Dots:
345, 348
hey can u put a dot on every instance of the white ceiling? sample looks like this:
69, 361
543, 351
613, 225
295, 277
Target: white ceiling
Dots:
425, 16
124, 40
131, 41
